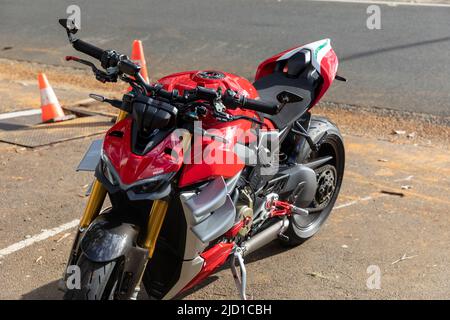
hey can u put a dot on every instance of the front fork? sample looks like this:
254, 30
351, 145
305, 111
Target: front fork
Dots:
157, 215
92, 210
97, 196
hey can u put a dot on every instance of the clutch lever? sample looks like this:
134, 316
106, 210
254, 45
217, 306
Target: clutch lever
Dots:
99, 74
114, 102
119, 104
85, 62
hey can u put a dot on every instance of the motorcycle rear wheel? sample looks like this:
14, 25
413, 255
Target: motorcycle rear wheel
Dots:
98, 281
329, 177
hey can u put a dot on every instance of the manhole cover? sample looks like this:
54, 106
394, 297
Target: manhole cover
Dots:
45, 134
20, 119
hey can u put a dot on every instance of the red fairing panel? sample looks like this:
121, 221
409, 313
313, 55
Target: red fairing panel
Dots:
212, 157
328, 69
214, 258
267, 66
132, 167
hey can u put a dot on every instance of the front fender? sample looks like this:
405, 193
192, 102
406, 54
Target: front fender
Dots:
107, 239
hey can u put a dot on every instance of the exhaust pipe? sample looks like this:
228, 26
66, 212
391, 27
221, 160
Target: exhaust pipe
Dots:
264, 237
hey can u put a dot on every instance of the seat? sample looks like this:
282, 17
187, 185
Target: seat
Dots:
295, 75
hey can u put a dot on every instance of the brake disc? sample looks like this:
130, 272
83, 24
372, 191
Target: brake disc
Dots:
326, 181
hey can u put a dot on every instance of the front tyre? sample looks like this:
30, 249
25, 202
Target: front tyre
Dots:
98, 281
329, 178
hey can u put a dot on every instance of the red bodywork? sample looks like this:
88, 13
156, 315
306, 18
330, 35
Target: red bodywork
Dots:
328, 70
213, 259
200, 170
132, 167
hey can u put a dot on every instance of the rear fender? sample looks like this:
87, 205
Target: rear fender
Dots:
318, 128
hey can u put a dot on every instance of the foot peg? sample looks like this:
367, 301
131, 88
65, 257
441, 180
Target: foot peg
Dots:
239, 278
300, 211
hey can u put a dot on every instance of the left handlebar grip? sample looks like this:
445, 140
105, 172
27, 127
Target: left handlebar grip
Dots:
88, 49
128, 67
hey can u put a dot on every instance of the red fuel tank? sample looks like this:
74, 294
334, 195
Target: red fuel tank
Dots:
207, 167
209, 79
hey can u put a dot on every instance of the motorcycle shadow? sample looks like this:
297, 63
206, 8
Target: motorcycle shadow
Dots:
50, 290
272, 249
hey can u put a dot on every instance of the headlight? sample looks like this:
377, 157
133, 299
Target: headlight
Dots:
140, 189
156, 184
147, 187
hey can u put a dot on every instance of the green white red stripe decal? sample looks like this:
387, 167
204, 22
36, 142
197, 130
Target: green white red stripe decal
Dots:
318, 50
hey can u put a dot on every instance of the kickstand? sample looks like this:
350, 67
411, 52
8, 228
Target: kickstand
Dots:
239, 279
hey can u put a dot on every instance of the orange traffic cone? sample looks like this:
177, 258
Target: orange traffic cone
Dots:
137, 56
51, 109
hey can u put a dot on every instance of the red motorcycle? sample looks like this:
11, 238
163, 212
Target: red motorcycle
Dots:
202, 168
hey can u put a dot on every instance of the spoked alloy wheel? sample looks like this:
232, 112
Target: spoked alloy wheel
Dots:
329, 179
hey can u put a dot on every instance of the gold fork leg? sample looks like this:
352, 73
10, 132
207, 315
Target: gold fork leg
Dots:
98, 194
157, 215
94, 204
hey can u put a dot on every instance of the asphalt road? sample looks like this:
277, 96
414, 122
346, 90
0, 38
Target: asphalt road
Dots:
405, 65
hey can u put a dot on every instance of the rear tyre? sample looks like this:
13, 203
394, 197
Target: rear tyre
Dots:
329, 178
98, 281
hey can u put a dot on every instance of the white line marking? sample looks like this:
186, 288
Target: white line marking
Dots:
388, 3
38, 237
345, 205
351, 203
16, 114
408, 178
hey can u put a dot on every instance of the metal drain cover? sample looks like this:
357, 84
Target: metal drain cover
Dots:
45, 134
20, 119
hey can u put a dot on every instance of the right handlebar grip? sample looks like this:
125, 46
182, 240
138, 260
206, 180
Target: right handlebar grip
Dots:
261, 106
88, 49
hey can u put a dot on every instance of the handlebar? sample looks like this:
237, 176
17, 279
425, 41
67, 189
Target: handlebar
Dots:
230, 99
88, 49
233, 101
112, 59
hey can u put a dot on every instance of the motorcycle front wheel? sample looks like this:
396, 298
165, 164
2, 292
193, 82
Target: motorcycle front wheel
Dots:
98, 281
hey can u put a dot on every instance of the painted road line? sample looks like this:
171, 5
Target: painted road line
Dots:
72, 224
351, 203
38, 238
389, 3
23, 113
